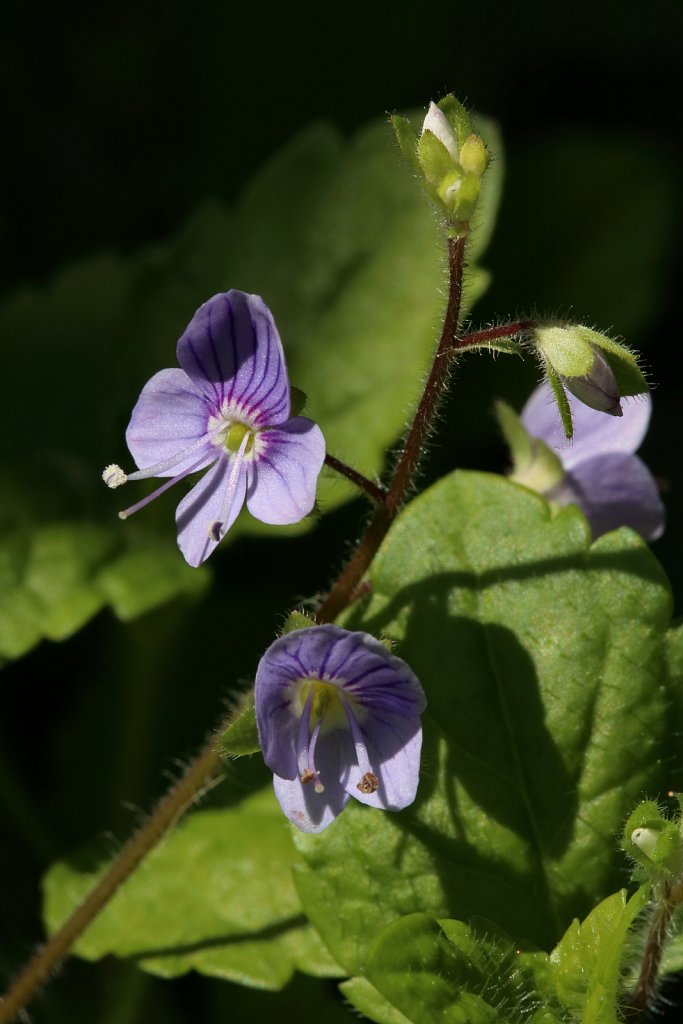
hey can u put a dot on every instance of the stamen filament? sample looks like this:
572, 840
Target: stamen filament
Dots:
159, 490
303, 735
216, 529
362, 758
173, 460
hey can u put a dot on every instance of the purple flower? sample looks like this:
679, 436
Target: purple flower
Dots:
338, 716
602, 475
227, 411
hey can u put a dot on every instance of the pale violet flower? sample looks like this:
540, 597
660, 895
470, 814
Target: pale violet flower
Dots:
227, 411
601, 472
338, 715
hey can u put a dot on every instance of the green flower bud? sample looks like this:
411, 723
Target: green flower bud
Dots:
449, 156
473, 155
654, 843
593, 367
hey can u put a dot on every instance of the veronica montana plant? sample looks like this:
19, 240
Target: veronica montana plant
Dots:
227, 410
338, 715
599, 471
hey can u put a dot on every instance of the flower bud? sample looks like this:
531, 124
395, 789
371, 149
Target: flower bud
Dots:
449, 156
598, 388
593, 367
438, 124
473, 155
654, 843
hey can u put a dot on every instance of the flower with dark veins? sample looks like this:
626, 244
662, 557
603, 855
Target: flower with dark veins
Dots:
338, 715
602, 473
227, 411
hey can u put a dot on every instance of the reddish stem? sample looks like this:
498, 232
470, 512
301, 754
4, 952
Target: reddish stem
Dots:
491, 333
344, 587
374, 491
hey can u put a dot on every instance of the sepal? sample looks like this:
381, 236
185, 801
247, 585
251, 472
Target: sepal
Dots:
534, 464
297, 620
241, 737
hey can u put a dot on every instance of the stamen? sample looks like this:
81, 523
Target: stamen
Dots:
303, 736
114, 476
368, 784
172, 460
159, 490
368, 778
216, 529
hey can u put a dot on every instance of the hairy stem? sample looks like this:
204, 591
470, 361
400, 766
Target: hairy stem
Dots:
404, 472
198, 776
670, 898
207, 765
374, 491
502, 331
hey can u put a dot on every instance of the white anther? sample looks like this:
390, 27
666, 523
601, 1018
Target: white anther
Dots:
114, 476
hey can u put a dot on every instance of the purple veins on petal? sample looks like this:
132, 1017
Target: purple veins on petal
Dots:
603, 475
338, 715
228, 408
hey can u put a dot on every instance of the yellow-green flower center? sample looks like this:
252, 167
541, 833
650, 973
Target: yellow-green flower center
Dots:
235, 436
326, 704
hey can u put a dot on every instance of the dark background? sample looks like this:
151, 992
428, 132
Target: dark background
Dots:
117, 122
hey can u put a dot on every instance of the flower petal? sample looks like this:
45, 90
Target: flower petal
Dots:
308, 810
594, 431
283, 478
393, 748
616, 490
169, 415
202, 506
232, 351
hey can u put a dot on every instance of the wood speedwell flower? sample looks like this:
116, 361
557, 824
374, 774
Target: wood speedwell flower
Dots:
338, 716
226, 410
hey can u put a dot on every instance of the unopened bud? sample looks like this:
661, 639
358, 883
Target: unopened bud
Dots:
438, 124
598, 388
645, 839
473, 155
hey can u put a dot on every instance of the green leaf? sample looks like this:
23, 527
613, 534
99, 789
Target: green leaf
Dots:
365, 998
587, 962
54, 578
543, 662
326, 227
216, 897
434, 971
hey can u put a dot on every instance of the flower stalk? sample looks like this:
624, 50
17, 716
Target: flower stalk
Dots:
670, 897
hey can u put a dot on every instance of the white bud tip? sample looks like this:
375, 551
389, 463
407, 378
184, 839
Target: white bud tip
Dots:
645, 839
438, 124
114, 476
319, 788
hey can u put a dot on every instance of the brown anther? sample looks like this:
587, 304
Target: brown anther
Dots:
368, 784
307, 776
